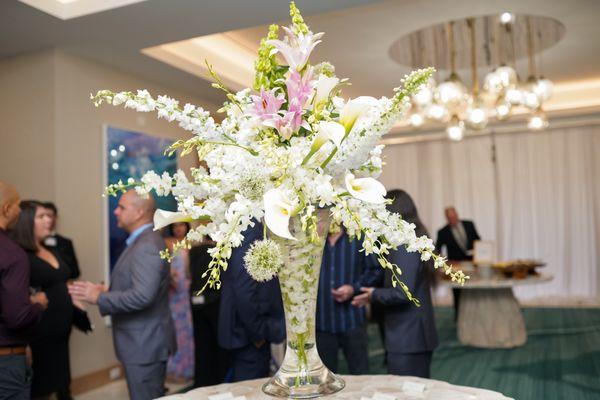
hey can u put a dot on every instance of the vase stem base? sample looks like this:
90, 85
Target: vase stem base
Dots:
320, 382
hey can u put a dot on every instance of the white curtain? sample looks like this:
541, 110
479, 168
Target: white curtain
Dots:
540, 200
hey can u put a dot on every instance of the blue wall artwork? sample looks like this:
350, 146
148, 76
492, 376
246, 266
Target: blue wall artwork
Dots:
130, 154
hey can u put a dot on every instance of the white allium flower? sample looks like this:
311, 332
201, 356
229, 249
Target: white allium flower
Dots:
263, 260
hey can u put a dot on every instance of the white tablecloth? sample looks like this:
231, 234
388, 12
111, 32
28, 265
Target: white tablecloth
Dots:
356, 387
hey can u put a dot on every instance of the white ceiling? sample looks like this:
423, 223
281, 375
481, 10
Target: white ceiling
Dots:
115, 37
358, 36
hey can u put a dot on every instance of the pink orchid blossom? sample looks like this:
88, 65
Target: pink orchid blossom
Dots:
296, 49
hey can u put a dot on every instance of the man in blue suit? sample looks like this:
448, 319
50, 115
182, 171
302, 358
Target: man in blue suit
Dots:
251, 315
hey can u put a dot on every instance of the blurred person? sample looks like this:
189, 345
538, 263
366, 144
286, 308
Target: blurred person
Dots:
211, 360
63, 245
137, 300
19, 311
180, 367
339, 325
250, 316
410, 332
49, 340
458, 238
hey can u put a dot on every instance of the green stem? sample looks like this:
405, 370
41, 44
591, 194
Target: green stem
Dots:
249, 150
329, 158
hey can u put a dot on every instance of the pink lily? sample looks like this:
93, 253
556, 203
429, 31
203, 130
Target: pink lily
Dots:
299, 88
267, 104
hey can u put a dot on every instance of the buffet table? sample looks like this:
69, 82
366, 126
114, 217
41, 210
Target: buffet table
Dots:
371, 387
489, 315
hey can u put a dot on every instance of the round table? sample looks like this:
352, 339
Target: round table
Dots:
400, 387
489, 314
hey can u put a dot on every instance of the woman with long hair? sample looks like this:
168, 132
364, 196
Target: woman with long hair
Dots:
50, 338
180, 367
410, 333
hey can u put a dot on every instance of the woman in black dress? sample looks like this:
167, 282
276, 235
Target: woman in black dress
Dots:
50, 338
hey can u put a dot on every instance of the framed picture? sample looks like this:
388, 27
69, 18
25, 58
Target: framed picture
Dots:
129, 154
484, 252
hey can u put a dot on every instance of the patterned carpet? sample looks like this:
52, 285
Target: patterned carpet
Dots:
560, 361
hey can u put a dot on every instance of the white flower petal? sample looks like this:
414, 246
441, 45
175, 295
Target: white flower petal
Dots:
325, 85
354, 109
164, 218
332, 131
278, 210
366, 189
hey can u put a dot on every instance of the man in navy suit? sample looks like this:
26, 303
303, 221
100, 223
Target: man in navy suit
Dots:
458, 236
251, 315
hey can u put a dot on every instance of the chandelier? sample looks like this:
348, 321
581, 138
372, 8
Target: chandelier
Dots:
502, 94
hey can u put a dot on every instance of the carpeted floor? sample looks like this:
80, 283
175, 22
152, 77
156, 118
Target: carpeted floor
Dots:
560, 361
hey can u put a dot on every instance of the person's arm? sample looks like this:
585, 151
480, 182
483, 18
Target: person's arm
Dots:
411, 270
258, 325
439, 243
17, 311
372, 273
72, 259
146, 274
475, 233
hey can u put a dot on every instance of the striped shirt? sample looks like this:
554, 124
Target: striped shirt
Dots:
342, 264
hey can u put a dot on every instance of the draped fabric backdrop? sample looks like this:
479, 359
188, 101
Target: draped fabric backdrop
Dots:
540, 200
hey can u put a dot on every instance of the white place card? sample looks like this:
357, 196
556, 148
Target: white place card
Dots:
222, 396
383, 396
414, 389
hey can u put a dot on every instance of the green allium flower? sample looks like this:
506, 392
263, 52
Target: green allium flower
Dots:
263, 260
252, 185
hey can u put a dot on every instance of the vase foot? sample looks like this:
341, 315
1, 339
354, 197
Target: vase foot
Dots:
320, 382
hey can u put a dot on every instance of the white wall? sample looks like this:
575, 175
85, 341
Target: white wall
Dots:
52, 150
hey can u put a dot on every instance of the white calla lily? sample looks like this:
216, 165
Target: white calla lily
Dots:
327, 131
366, 189
325, 85
164, 218
354, 109
278, 210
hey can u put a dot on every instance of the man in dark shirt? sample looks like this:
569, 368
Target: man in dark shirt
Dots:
63, 245
344, 270
18, 310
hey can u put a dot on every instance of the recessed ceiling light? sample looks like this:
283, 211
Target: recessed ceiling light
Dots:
67, 9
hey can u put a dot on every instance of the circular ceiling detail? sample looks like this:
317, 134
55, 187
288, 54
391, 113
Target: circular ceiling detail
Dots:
497, 43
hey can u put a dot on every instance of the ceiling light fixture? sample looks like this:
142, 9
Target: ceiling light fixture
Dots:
503, 94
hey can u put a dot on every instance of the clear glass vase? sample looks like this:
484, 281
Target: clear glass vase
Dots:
302, 374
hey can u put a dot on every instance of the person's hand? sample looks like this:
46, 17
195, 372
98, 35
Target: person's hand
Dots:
28, 356
364, 298
78, 303
39, 298
86, 291
343, 293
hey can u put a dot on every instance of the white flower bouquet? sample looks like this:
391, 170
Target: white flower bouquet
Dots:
291, 152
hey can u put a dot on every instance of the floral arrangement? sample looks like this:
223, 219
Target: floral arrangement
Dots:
287, 148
